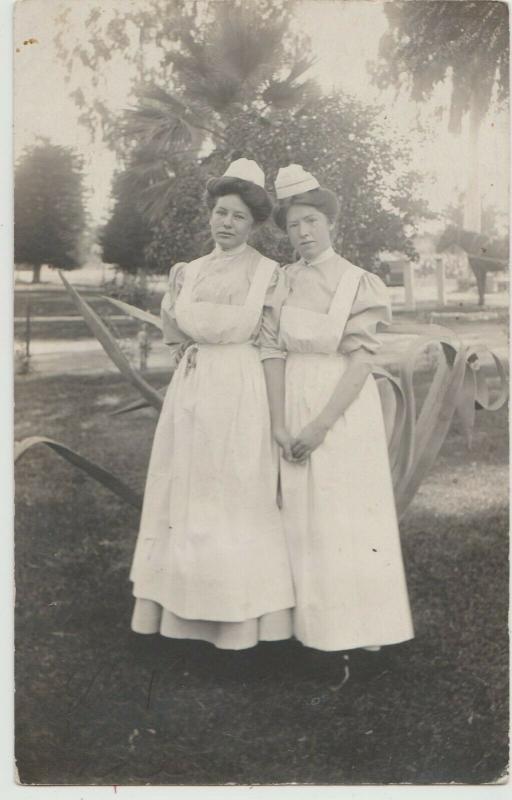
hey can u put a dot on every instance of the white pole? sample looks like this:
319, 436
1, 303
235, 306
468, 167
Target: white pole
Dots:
408, 270
440, 281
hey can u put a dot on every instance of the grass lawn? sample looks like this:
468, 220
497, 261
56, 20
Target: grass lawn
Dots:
97, 704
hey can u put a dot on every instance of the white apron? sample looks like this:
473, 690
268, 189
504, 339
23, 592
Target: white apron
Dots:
338, 508
211, 545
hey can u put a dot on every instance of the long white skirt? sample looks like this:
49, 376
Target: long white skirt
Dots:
340, 518
211, 560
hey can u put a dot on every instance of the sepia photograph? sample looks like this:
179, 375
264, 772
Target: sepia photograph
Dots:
261, 372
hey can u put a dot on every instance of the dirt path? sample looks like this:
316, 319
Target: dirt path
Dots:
86, 356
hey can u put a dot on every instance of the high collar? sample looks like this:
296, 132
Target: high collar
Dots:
325, 255
218, 252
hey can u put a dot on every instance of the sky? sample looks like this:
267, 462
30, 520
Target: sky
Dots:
345, 36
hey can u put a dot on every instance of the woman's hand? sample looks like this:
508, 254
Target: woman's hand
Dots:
284, 440
179, 353
308, 440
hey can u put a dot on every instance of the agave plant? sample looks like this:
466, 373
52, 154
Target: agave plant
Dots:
458, 387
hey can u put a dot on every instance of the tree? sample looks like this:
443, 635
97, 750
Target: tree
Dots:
215, 59
241, 56
341, 142
239, 86
49, 214
182, 233
124, 238
466, 42
210, 55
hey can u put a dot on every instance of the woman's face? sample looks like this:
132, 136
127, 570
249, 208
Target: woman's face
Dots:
309, 230
231, 221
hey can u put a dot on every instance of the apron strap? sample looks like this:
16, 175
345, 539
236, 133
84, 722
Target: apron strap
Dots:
343, 300
260, 282
189, 276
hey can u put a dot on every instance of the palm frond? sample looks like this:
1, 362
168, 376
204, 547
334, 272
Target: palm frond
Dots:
146, 167
283, 94
300, 67
246, 42
160, 131
155, 200
163, 124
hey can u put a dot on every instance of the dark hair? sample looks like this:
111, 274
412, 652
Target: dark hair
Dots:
322, 199
254, 197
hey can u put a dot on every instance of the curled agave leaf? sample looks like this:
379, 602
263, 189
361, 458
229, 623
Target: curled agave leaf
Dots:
482, 395
133, 311
101, 475
393, 410
135, 405
431, 427
111, 347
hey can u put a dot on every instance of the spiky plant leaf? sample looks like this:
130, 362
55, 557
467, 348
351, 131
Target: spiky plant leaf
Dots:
103, 476
475, 390
466, 406
394, 411
111, 347
482, 397
429, 432
136, 405
133, 311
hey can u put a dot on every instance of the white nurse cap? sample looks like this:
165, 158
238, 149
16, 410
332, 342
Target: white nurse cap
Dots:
246, 170
294, 180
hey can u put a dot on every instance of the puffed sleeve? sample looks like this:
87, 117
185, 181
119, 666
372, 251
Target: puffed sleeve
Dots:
269, 328
371, 312
171, 332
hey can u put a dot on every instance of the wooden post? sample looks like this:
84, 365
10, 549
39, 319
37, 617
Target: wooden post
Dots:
27, 330
440, 281
408, 270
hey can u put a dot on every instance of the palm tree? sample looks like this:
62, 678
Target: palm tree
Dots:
467, 42
245, 55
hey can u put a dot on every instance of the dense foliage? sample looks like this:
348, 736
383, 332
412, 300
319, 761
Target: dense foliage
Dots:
126, 234
340, 141
49, 215
428, 42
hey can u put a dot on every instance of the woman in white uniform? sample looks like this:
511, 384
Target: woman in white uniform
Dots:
338, 504
211, 561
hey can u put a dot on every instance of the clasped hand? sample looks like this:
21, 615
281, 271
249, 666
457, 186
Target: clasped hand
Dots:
298, 449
